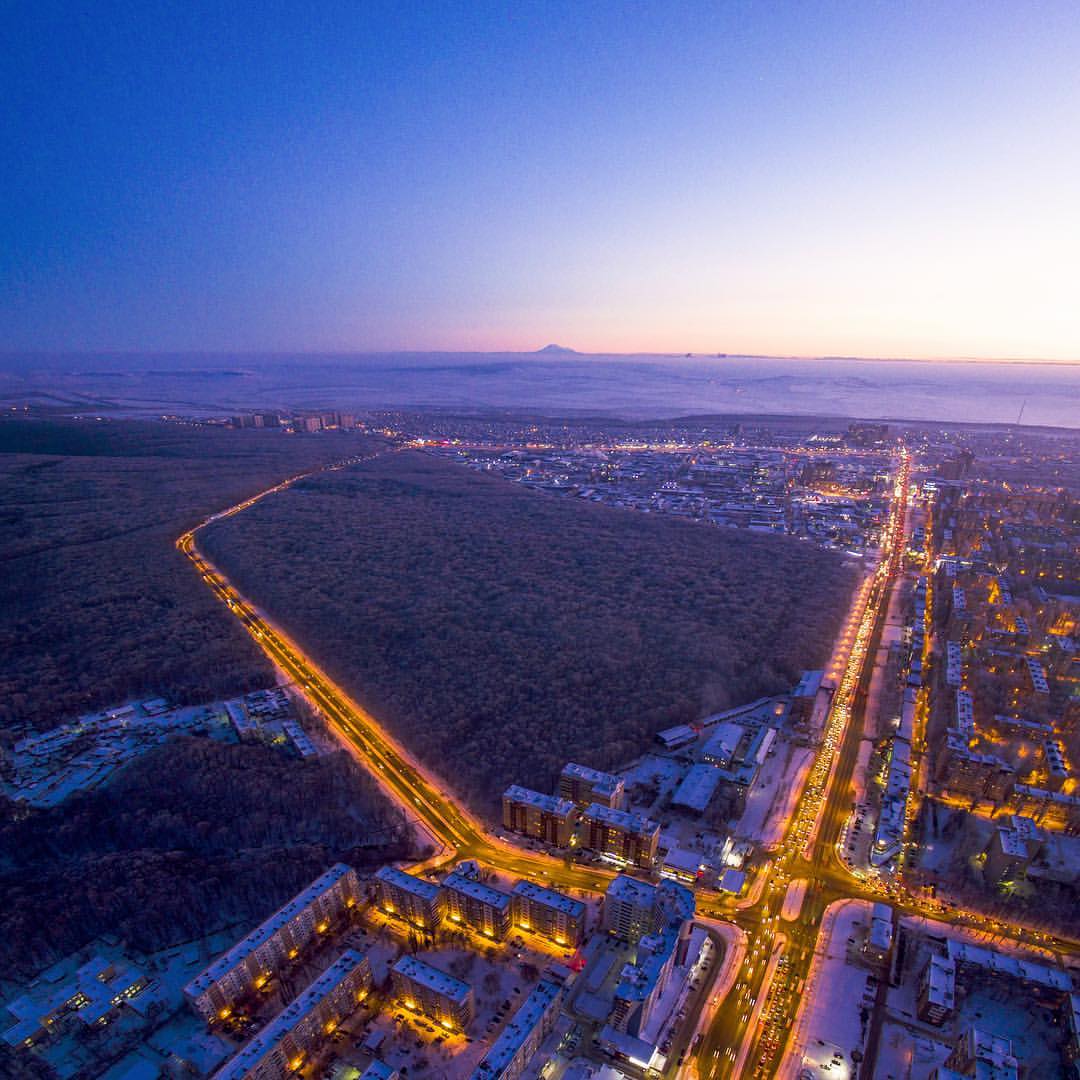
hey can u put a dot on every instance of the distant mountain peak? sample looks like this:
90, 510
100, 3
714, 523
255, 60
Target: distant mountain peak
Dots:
558, 349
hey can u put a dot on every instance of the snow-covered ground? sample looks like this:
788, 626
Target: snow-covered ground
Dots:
910, 1048
829, 1020
793, 899
774, 794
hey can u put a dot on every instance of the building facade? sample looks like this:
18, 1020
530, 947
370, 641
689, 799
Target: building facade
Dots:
628, 837
476, 905
285, 1045
438, 996
584, 786
551, 914
543, 817
408, 897
260, 955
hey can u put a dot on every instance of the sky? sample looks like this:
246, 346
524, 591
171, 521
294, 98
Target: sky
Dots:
873, 179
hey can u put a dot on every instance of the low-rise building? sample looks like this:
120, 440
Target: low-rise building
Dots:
285, 1045
408, 897
543, 817
549, 913
440, 997
697, 788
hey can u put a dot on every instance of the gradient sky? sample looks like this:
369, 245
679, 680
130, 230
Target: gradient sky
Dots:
881, 179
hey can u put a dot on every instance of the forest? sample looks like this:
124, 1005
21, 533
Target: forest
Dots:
500, 633
96, 605
194, 836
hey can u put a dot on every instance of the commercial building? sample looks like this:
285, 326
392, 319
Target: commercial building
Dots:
629, 837
284, 1046
522, 1036
584, 786
476, 905
410, 898
549, 913
425, 989
252, 961
543, 817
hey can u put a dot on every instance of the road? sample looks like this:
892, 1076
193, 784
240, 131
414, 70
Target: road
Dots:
751, 1028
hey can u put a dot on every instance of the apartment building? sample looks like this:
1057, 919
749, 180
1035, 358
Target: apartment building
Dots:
408, 897
629, 837
548, 913
440, 997
476, 905
256, 958
629, 908
584, 786
286, 1044
543, 817
522, 1036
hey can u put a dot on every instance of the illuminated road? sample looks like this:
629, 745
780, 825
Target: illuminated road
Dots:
749, 1034
400, 774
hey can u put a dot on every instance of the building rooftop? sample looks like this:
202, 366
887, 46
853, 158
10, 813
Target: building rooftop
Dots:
417, 886
286, 1020
697, 788
631, 891
550, 804
961, 952
549, 898
413, 968
601, 782
621, 819
282, 917
510, 1039
477, 890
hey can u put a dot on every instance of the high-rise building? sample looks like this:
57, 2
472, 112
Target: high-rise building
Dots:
629, 908
629, 837
584, 786
425, 989
410, 898
476, 905
548, 913
253, 960
284, 1046
543, 817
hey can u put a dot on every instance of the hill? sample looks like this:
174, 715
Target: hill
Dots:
500, 633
